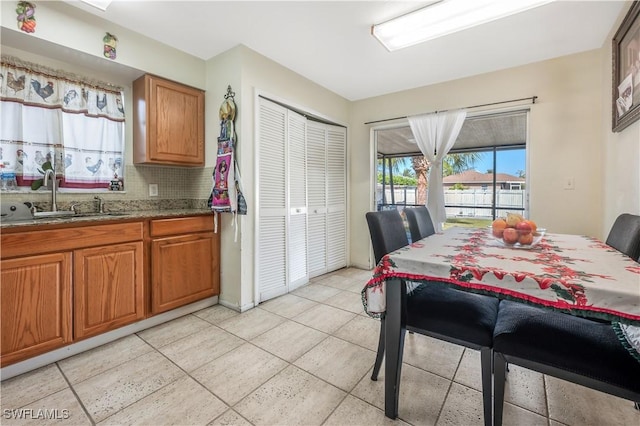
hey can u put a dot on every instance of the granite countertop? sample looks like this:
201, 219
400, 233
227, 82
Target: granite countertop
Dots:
86, 218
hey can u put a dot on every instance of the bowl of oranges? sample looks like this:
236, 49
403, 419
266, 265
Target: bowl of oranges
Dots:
515, 231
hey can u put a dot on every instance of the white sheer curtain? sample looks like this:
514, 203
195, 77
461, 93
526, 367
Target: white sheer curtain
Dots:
435, 134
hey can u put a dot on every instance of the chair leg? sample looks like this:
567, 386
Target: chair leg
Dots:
636, 405
499, 373
485, 362
380, 354
394, 341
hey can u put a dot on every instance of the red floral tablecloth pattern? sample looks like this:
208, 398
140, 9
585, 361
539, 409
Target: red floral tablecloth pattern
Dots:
566, 272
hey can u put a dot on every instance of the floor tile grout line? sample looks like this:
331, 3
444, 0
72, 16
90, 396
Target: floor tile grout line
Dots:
84, 379
179, 339
187, 374
75, 394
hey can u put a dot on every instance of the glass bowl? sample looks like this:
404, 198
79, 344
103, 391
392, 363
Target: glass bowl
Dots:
537, 237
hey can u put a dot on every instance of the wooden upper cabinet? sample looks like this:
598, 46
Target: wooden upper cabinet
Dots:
168, 122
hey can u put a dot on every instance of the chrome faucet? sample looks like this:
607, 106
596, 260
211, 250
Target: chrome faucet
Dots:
54, 187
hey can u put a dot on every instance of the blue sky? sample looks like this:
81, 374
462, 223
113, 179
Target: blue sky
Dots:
508, 161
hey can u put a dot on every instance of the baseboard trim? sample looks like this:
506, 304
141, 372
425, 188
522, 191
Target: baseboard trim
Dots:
235, 307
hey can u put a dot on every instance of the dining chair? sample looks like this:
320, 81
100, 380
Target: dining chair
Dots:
435, 310
624, 235
571, 348
420, 223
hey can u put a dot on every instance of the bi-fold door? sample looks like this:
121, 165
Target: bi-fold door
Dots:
301, 223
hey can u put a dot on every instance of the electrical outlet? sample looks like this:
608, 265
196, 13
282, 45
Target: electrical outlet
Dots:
153, 190
569, 183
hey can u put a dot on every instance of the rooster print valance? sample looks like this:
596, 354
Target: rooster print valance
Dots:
39, 86
52, 119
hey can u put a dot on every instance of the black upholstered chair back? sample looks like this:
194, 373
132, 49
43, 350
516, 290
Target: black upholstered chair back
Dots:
625, 235
420, 223
387, 232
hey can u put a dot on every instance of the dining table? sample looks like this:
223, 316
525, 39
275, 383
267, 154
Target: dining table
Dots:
575, 274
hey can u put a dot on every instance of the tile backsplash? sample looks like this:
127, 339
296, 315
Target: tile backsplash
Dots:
175, 185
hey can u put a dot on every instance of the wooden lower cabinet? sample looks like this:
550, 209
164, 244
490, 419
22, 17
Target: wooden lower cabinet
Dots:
63, 284
108, 288
60, 285
185, 265
35, 305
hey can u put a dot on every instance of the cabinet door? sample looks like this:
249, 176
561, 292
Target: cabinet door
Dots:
169, 123
184, 269
109, 288
35, 305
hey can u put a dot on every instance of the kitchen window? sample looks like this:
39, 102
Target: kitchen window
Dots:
54, 119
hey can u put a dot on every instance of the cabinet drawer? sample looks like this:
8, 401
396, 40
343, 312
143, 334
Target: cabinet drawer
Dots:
57, 240
181, 225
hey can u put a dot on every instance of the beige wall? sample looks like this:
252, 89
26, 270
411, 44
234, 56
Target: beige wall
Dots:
620, 153
564, 138
59, 24
251, 74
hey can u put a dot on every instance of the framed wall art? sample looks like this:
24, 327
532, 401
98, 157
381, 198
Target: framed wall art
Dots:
626, 70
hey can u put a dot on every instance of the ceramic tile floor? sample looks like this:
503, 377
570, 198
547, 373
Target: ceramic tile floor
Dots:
300, 359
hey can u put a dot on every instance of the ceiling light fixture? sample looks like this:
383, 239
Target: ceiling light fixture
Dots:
445, 17
99, 4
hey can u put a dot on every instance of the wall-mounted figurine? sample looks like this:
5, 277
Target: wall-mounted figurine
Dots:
26, 16
110, 43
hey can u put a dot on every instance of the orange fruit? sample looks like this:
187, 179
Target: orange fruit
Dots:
497, 227
533, 225
525, 239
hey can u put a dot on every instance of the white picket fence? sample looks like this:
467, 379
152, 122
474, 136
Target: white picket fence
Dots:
464, 203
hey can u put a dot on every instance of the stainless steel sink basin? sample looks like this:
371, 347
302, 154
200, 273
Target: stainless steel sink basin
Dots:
53, 215
100, 214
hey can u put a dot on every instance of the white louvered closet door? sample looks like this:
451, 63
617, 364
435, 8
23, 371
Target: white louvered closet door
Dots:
271, 232
336, 198
297, 178
317, 195
326, 149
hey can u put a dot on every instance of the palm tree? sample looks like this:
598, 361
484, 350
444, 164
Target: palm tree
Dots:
420, 166
452, 164
458, 163
396, 165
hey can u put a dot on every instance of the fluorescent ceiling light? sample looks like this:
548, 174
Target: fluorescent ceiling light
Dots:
100, 4
445, 17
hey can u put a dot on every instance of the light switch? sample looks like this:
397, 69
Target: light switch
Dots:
153, 190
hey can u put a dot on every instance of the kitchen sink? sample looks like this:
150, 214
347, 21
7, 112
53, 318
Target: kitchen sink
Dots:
100, 214
18, 212
53, 215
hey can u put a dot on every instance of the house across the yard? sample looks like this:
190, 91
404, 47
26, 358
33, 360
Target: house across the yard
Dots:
471, 179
